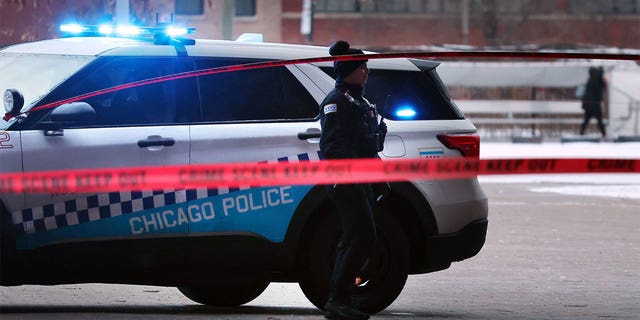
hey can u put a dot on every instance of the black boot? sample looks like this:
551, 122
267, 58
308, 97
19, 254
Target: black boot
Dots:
340, 311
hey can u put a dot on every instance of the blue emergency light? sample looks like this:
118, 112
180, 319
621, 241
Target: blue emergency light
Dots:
406, 112
73, 28
105, 29
176, 31
163, 34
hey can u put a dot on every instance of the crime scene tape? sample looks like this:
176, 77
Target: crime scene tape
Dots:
278, 63
301, 173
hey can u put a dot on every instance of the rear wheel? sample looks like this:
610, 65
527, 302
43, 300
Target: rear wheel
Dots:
381, 280
226, 294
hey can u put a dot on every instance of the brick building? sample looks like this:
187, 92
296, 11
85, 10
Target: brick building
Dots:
513, 23
375, 24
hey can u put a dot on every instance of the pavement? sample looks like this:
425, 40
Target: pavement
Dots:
547, 256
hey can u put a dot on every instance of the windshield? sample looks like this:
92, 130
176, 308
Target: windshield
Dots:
35, 75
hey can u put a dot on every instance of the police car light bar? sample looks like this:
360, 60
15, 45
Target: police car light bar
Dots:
176, 31
73, 28
170, 31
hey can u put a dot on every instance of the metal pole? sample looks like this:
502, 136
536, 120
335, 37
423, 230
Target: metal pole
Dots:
228, 13
122, 12
465, 21
306, 20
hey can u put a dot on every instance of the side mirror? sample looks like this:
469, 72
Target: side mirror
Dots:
13, 101
75, 112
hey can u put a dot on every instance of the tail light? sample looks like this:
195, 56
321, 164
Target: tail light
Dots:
468, 144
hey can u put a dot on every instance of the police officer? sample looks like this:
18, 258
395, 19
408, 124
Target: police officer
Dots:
350, 130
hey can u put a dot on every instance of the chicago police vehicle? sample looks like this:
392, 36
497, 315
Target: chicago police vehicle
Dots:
218, 246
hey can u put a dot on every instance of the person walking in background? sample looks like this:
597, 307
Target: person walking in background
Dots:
592, 99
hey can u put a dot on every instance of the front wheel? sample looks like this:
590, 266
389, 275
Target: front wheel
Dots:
227, 294
382, 278
9, 265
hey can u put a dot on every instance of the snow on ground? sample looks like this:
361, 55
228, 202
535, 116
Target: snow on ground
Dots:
582, 184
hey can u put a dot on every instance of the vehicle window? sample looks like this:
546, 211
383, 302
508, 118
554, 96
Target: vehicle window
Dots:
406, 95
35, 75
252, 95
149, 104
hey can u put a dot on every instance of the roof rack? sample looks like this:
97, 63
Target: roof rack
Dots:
250, 37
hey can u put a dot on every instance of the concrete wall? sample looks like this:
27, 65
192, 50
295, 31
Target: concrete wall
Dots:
624, 101
267, 21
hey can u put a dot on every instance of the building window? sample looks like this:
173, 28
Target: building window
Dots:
380, 6
476, 7
190, 7
625, 6
245, 8
605, 7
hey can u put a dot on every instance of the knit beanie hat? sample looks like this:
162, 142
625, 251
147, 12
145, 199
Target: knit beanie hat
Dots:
344, 68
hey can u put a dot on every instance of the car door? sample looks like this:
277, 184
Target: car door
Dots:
140, 126
263, 115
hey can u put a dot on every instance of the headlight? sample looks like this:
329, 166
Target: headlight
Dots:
13, 101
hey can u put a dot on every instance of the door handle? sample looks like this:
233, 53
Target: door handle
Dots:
311, 133
153, 141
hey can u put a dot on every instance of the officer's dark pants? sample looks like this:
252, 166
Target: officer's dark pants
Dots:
592, 110
354, 207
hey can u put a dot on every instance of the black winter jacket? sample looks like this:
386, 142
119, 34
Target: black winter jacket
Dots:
350, 127
594, 91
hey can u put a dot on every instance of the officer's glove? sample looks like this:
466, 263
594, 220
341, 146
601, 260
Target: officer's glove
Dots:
382, 128
382, 133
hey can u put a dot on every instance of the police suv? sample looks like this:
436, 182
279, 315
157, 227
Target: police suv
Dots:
219, 246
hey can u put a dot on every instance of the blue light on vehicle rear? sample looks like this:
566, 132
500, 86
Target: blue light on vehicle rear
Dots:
406, 112
72, 28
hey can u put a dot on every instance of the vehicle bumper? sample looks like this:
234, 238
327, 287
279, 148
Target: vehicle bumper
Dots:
454, 203
444, 249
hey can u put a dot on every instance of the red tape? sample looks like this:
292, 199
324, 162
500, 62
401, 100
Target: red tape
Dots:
269, 64
302, 173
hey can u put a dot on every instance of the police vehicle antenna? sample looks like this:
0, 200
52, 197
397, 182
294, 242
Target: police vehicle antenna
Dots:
386, 103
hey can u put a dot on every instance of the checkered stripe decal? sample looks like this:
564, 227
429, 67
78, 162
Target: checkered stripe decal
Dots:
113, 204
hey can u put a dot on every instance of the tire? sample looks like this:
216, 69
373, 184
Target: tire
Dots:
227, 294
383, 278
9, 271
